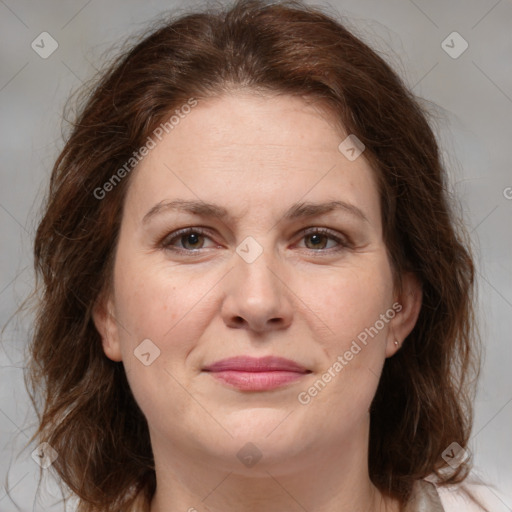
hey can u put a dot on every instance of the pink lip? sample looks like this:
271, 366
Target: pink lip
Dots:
256, 374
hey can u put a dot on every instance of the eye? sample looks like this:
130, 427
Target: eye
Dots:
317, 239
190, 239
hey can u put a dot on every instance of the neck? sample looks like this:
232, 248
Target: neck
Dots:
320, 478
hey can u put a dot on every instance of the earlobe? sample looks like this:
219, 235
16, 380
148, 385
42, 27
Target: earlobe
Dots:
405, 319
106, 325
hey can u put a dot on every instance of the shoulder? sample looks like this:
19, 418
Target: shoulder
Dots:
472, 496
469, 496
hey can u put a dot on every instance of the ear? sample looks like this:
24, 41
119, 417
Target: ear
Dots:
105, 322
407, 308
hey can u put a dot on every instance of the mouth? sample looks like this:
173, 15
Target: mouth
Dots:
256, 374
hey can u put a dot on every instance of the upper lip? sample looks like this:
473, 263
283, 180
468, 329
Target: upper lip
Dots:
256, 364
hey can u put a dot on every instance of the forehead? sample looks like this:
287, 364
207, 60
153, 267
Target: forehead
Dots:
244, 149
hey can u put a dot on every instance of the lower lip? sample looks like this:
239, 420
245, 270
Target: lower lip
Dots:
257, 381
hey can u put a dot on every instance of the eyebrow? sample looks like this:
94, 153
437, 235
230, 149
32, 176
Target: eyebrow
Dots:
297, 211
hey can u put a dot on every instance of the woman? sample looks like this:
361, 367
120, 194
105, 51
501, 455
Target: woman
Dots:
254, 295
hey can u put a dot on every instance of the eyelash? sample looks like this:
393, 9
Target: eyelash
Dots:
166, 243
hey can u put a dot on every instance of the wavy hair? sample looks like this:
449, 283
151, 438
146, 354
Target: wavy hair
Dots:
86, 409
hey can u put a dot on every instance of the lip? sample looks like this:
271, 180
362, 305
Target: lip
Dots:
256, 373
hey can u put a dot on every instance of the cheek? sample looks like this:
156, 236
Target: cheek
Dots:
351, 300
167, 304
153, 300
160, 305
355, 348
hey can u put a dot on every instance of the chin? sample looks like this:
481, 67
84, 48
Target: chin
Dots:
258, 423
267, 438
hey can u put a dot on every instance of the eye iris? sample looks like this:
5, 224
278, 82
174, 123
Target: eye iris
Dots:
317, 240
190, 239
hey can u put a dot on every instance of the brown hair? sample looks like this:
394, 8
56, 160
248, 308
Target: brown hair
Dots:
88, 414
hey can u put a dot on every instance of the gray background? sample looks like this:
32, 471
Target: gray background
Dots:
473, 94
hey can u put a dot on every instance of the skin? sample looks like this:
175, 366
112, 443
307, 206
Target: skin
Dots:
301, 299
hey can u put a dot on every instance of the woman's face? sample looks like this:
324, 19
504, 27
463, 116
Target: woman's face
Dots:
284, 258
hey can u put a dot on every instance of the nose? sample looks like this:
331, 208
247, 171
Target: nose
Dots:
257, 297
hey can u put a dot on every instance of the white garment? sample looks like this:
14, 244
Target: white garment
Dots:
428, 497
425, 498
